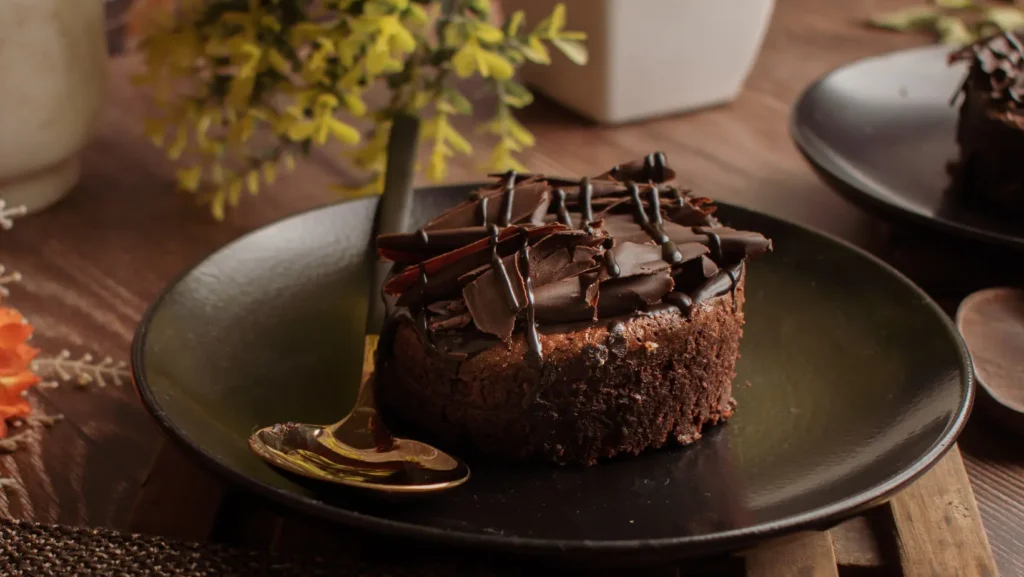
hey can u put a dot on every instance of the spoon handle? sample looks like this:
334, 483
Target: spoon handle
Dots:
394, 207
362, 426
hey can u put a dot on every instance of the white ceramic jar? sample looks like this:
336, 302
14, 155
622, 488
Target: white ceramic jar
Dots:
52, 79
651, 57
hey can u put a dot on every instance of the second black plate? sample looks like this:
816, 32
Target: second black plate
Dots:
882, 130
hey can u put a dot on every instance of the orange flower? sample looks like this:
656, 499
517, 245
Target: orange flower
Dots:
16, 376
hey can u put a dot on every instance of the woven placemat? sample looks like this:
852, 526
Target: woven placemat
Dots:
38, 550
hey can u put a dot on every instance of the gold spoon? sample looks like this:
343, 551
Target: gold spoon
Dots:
358, 451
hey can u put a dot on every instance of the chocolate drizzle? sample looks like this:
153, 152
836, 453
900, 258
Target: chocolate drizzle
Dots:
530, 266
669, 251
586, 204
499, 266
654, 167
532, 338
723, 282
653, 225
610, 263
682, 301
734, 280
482, 211
679, 196
422, 321
507, 196
560, 209
714, 242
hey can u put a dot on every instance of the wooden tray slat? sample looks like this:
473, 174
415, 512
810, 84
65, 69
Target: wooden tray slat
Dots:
938, 527
808, 553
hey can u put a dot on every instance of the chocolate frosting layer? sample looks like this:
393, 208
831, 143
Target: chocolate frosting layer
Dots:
995, 71
534, 250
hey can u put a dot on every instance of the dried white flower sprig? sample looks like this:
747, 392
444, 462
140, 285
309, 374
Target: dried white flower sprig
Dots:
83, 371
7, 278
7, 215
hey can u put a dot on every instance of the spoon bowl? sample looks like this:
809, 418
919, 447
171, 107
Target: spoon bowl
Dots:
314, 452
359, 451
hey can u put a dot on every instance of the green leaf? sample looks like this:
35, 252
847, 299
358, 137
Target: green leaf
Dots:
459, 104
354, 102
464, 61
516, 95
457, 141
574, 51
487, 33
572, 35
557, 19
1005, 17
234, 192
535, 51
481, 7
954, 4
911, 18
416, 15
518, 132
552, 24
420, 99
252, 181
454, 35
494, 65
515, 22
189, 178
217, 205
514, 55
269, 170
953, 31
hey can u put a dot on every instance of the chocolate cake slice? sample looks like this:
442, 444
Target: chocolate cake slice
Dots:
990, 130
565, 320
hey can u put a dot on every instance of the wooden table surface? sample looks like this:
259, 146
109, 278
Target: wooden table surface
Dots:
93, 262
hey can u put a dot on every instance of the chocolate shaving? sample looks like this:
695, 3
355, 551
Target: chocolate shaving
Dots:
621, 248
485, 298
529, 205
565, 301
623, 296
996, 64
455, 263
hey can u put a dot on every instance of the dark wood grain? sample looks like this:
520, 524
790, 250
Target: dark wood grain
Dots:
801, 554
94, 261
938, 500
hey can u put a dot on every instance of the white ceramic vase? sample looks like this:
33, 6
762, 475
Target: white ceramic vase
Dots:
52, 79
651, 58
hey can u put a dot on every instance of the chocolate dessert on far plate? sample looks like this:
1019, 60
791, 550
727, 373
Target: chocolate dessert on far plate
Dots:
990, 131
566, 320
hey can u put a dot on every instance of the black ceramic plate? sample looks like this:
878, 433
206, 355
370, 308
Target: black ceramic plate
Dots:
851, 383
882, 130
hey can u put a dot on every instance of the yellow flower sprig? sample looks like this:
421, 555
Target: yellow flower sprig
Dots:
242, 87
953, 22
